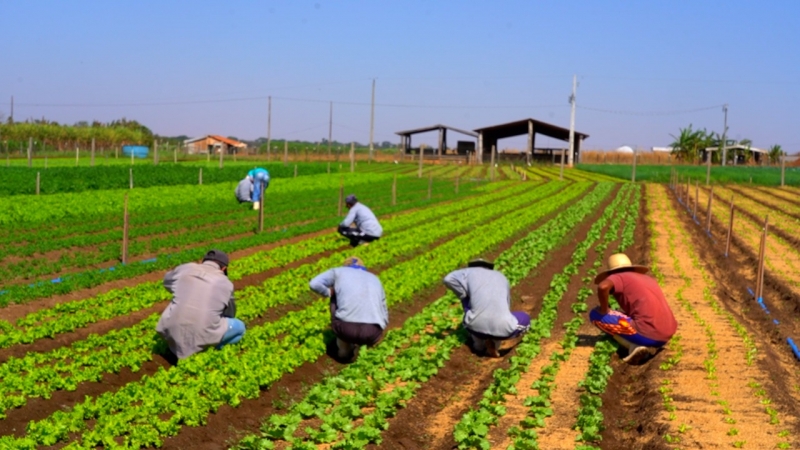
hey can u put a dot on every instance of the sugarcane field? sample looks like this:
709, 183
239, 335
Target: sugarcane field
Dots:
399, 225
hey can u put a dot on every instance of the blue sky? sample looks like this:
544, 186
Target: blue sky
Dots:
645, 68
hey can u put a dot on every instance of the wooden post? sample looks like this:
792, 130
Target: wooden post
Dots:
708, 167
77, 155
783, 169
125, 227
175, 155
430, 185
394, 190
155, 152
420, 156
208, 157
45, 161
457, 185
261, 209
329, 167
341, 196
116, 152
688, 193
285, 152
130, 178
762, 250
352, 157
200, 177
696, 198
295, 170
221, 155
30, 152
730, 231
91, 158
633, 170
491, 162
131, 156
708, 211
37, 182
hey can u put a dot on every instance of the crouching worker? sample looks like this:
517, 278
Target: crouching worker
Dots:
486, 298
249, 189
201, 313
367, 228
358, 306
646, 322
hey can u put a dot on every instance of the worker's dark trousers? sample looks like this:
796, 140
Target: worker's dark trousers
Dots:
354, 332
355, 235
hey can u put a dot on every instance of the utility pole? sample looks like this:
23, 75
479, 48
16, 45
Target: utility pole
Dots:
572, 122
330, 130
269, 127
372, 121
723, 144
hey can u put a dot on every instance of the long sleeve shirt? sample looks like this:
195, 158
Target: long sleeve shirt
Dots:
359, 295
486, 297
244, 190
194, 319
364, 219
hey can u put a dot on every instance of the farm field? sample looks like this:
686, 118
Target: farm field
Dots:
81, 366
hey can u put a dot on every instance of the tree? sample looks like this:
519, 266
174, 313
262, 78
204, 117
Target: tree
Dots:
775, 153
688, 145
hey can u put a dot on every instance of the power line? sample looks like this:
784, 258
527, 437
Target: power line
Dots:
649, 113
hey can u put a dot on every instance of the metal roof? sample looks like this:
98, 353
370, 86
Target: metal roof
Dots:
739, 147
433, 128
217, 138
520, 127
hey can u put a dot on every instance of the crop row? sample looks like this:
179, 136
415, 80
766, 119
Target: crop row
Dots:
473, 429
69, 316
385, 377
24, 292
38, 374
283, 214
158, 405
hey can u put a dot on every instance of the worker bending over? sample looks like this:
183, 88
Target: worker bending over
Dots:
249, 189
367, 228
201, 313
358, 305
486, 298
646, 322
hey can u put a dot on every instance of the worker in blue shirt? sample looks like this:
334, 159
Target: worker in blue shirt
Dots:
249, 189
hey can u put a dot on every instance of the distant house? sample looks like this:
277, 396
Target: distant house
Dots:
213, 143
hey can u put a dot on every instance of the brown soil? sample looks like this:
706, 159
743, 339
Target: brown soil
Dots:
459, 385
641, 422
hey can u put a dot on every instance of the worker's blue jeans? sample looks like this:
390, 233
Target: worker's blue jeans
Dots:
258, 179
234, 334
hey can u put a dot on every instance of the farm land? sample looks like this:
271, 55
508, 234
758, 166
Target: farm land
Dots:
81, 366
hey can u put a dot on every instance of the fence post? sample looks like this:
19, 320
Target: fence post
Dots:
341, 196
352, 157
91, 158
730, 231
708, 168
175, 155
261, 209
295, 170
329, 167
30, 152
77, 155
221, 156
155, 152
761, 255
491, 176
37, 183
200, 176
783, 169
130, 178
131, 156
421, 154
430, 185
696, 198
708, 212
394, 190
633, 170
457, 185
285, 152
125, 231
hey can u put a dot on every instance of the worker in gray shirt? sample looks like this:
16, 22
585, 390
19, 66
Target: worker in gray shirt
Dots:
201, 313
367, 228
486, 298
244, 190
358, 305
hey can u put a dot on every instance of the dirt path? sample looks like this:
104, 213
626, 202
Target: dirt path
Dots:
708, 399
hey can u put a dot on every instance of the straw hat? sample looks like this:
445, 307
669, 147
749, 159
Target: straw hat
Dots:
353, 261
480, 262
619, 263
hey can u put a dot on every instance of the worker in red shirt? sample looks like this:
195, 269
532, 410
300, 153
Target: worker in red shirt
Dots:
646, 322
